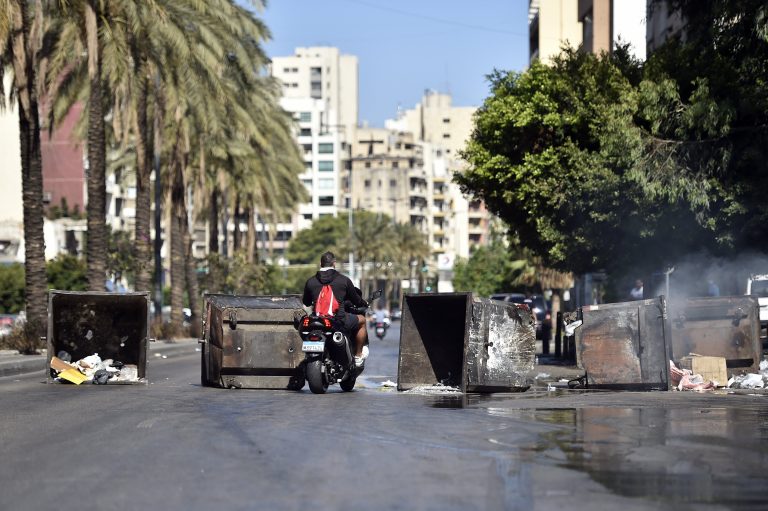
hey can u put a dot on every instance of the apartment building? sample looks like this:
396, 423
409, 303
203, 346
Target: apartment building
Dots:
663, 23
608, 22
320, 90
322, 73
551, 25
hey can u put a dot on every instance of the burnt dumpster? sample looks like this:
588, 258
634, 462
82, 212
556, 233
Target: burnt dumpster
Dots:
718, 326
624, 345
97, 336
460, 340
250, 342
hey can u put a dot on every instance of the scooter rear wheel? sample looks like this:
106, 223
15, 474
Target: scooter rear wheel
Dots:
318, 383
348, 384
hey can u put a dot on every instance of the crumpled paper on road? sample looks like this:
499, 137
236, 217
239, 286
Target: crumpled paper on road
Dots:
684, 379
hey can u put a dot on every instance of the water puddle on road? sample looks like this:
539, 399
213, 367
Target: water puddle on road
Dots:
691, 455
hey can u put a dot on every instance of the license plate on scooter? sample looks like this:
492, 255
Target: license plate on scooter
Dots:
313, 346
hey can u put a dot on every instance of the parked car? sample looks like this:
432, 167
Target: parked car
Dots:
538, 305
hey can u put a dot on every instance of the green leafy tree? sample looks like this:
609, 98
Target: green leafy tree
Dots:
11, 288
553, 154
67, 273
487, 271
326, 233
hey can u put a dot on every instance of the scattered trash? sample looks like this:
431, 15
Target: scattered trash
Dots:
751, 380
388, 383
101, 377
165, 356
89, 335
710, 368
684, 379
72, 375
438, 388
541, 376
63, 355
747, 381
92, 368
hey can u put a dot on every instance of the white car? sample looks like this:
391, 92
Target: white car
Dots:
758, 285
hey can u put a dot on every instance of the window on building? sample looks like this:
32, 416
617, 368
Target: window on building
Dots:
307, 216
367, 183
307, 148
295, 69
308, 165
325, 166
325, 200
305, 132
379, 183
446, 135
305, 117
325, 184
326, 148
408, 146
398, 146
446, 120
395, 164
367, 164
393, 183
307, 183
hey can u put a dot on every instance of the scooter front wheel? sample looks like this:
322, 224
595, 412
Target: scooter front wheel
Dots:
318, 383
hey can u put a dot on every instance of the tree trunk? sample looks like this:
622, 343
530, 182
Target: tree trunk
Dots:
193, 289
225, 224
177, 245
213, 223
96, 250
237, 236
250, 234
143, 265
35, 280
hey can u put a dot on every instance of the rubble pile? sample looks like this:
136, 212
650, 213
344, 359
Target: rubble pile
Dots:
752, 380
93, 369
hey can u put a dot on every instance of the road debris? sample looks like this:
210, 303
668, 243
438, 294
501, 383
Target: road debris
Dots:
388, 384
92, 368
437, 388
751, 380
684, 379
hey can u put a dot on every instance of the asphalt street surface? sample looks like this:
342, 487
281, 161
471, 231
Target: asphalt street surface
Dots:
173, 444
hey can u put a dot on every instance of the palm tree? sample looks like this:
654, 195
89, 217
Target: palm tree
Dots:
20, 40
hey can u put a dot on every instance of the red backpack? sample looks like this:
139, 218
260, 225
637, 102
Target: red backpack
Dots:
326, 304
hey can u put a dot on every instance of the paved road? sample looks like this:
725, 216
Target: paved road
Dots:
175, 445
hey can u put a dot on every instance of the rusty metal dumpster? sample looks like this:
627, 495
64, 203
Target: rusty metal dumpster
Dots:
464, 341
114, 325
625, 345
250, 342
718, 326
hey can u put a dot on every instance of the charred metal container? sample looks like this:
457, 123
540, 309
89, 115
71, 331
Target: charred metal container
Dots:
250, 342
114, 325
719, 326
459, 340
625, 345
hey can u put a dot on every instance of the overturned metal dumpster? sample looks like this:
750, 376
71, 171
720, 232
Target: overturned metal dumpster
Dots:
471, 343
719, 326
113, 325
250, 342
625, 345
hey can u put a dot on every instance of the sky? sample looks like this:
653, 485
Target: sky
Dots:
406, 46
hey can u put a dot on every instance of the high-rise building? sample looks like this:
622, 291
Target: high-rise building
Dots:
551, 25
663, 24
325, 74
606, 23
320, 90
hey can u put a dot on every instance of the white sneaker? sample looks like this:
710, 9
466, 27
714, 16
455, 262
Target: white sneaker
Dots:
359, 361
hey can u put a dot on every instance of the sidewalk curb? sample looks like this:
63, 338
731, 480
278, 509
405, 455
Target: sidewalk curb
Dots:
23, 364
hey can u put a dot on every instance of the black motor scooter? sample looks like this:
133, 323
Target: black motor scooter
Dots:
329, 357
